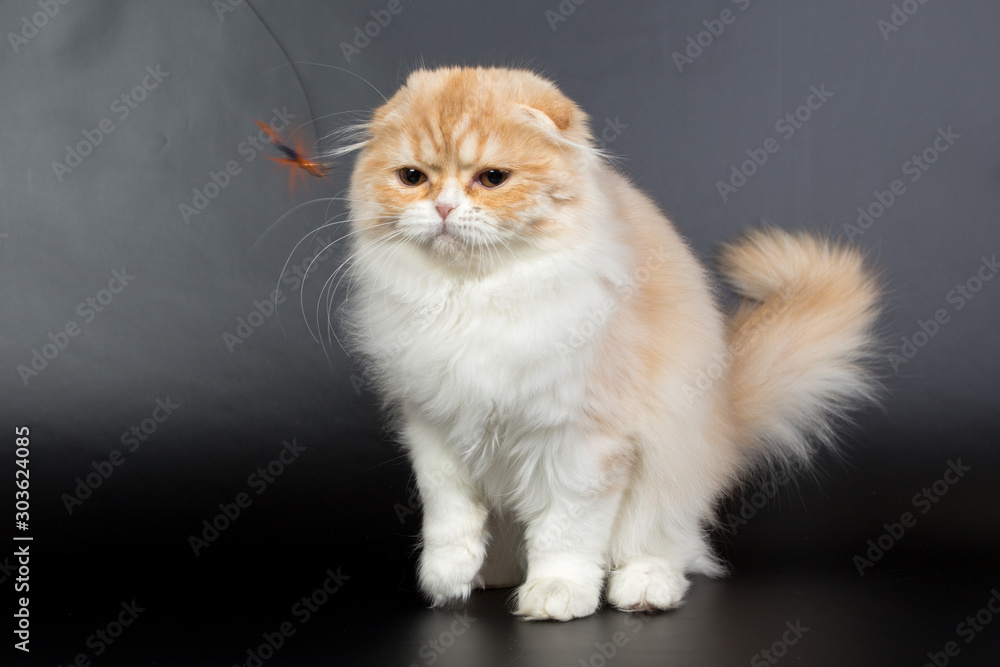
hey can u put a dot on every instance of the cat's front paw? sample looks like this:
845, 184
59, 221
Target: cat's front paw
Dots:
552, 598
647, 585
449, 573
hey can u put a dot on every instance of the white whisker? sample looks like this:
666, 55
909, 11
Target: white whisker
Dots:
371, 245
358, 76
309, 269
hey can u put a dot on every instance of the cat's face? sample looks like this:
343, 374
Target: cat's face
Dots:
471, 166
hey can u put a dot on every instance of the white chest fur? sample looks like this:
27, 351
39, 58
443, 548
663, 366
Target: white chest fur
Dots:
502, 353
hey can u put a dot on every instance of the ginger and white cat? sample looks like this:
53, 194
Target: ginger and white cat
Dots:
568, 391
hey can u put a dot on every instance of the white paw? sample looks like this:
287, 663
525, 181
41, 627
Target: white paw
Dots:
558, 599
647, 585
449, 573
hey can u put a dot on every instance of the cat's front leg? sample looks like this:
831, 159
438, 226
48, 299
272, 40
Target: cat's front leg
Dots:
567, 547
454, 517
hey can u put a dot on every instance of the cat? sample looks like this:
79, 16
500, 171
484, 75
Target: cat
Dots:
553, 356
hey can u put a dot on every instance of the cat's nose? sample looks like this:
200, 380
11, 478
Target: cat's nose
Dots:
444, 210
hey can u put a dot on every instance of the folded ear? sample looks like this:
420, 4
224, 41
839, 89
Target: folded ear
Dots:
554, 111
557, 114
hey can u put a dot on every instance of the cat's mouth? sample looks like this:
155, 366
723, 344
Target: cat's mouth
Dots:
444, 229
455, 241
448, 240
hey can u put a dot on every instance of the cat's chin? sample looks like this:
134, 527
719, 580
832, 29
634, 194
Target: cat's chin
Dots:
448, 244
456, 253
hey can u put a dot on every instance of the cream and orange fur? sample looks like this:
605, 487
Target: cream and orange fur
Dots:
570, 395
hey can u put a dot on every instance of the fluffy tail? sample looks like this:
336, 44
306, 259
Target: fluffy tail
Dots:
801, 348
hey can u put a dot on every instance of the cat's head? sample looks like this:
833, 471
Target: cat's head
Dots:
472, 165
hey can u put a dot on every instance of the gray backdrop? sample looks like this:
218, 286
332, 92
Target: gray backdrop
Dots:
138, 257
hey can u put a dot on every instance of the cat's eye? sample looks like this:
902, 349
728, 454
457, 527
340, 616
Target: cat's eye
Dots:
492, 178
411, 177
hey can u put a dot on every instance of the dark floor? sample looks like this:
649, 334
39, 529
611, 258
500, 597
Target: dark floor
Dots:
224, 613
795, 596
